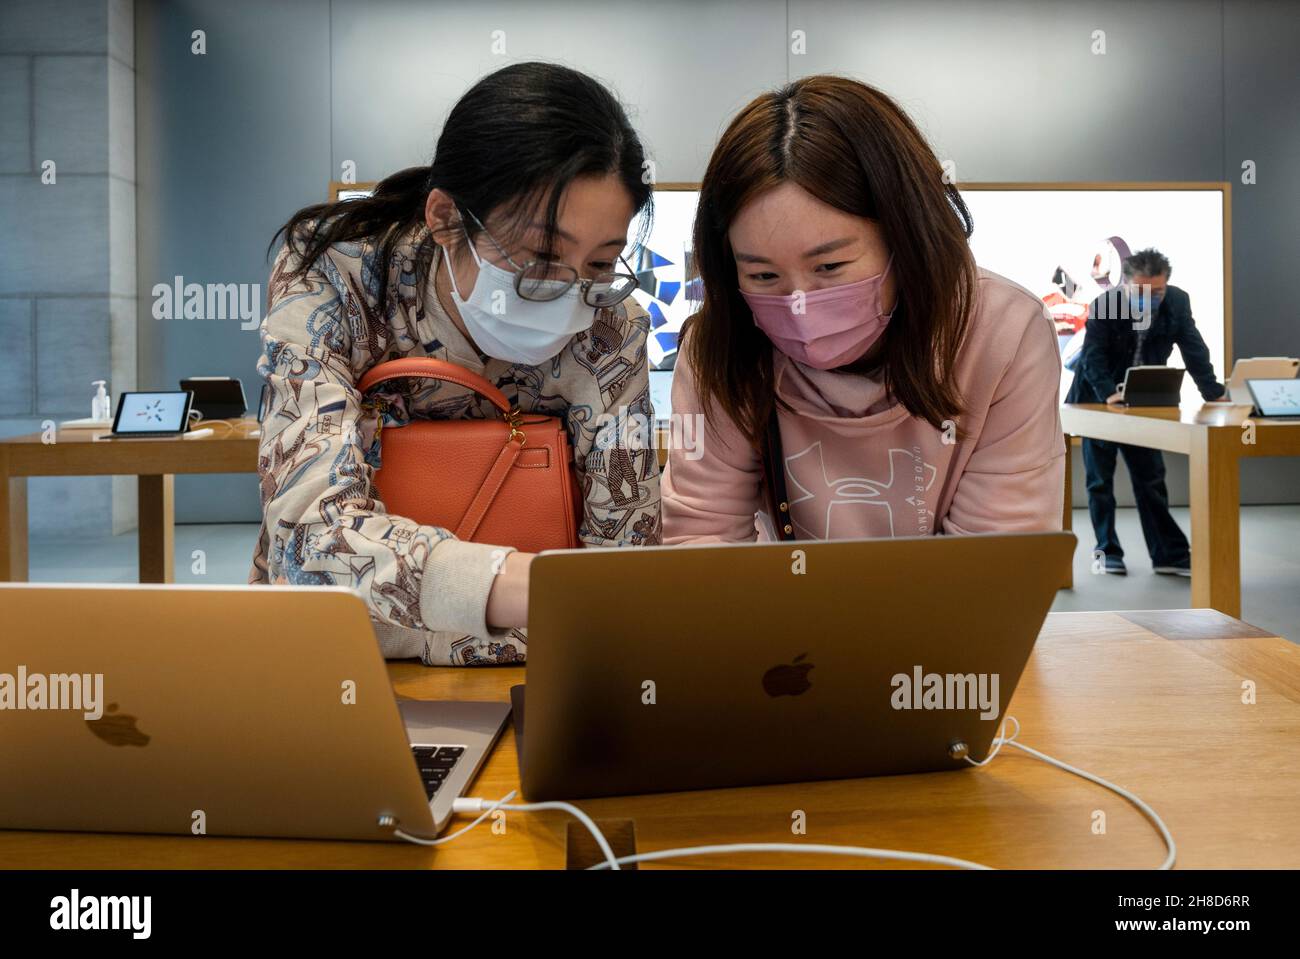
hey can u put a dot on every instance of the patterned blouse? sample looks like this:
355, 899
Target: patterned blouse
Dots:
321, 520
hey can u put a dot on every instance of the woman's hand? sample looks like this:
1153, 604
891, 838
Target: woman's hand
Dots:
507, 604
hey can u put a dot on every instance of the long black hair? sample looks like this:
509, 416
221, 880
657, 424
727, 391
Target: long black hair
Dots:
512, 143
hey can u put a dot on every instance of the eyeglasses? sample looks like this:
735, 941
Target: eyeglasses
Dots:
544, 280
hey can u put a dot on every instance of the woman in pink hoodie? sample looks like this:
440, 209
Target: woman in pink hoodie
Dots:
848, 347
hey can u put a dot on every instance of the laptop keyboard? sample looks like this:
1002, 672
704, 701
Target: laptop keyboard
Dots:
435, 764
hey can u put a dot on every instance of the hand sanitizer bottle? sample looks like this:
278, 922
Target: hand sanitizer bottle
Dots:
100, 409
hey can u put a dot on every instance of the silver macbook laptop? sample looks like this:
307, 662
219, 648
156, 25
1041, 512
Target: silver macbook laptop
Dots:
780, 662
1258, 368
219, 710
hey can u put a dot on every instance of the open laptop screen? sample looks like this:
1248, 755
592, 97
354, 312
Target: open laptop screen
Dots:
1276, 397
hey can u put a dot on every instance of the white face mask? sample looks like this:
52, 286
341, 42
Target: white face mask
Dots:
511, 328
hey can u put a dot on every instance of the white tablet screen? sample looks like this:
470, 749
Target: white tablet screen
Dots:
151, 413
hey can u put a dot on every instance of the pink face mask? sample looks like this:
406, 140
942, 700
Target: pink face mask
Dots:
836, 325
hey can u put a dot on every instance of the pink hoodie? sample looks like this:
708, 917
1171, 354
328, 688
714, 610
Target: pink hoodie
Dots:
858, 465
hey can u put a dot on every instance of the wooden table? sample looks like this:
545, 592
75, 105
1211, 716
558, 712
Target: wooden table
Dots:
154, 461
1150, 700
230, 449
1214, 437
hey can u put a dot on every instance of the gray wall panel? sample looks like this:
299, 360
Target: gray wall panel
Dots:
683, 68
229, 144
1011, 89
1262, 90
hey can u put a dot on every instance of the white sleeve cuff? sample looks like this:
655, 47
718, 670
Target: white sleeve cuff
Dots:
454, 590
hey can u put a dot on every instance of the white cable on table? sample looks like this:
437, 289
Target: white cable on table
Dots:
487, 807
424, 841
1146, 810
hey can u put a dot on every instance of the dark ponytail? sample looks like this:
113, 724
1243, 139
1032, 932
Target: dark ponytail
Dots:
512, 143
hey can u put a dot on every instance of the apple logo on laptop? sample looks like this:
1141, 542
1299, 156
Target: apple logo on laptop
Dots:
117, 729
788, 679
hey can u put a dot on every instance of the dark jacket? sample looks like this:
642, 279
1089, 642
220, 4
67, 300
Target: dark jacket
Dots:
1111, 343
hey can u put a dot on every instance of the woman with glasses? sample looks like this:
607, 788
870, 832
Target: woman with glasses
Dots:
859, 374
502, 256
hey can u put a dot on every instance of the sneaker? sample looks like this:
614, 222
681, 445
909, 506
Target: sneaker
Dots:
1115, 566
1179, 569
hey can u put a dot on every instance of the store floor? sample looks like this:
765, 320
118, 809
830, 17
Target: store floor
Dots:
1270, 565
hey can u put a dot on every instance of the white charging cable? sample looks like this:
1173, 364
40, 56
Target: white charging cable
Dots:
467, 804
487, 807
864, 852
1004, 740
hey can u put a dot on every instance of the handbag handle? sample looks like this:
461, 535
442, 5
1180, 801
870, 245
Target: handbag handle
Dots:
429, 368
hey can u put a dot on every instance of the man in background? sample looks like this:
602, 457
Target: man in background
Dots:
1137, 324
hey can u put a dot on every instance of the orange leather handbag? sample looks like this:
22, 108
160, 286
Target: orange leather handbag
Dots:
506, 482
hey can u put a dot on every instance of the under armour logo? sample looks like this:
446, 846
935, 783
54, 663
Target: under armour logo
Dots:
807, 473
